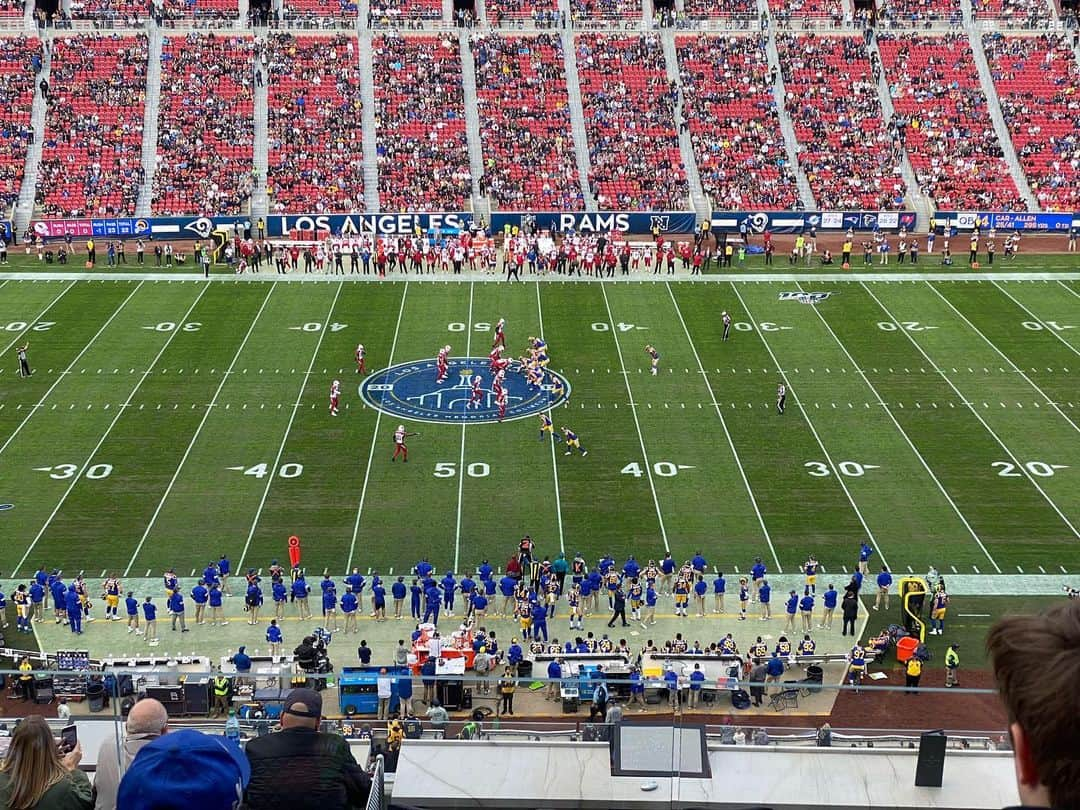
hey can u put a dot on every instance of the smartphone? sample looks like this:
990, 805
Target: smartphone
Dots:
69, 738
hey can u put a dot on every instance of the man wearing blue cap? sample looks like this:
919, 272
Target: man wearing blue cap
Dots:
320, 768
183, 770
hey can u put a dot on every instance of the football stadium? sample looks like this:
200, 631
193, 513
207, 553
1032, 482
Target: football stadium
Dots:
539, 403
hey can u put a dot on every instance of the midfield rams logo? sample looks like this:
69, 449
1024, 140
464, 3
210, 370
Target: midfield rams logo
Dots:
410, 390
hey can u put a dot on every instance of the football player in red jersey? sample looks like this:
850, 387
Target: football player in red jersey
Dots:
494, 355
442, 364
500, 334
361, 355
400, 435
477, 392
501, 401
335, 396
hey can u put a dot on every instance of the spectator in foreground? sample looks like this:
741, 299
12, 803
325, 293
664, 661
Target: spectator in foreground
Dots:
301, 766
35, 775
1042, 701
146, 721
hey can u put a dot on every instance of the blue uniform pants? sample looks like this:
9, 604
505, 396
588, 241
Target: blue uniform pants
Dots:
538, 628
431, 612
75, 620
415, 608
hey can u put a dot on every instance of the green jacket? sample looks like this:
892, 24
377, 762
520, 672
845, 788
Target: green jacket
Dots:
952, 658
73, 793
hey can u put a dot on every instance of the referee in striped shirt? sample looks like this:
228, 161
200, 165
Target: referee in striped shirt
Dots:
24, 363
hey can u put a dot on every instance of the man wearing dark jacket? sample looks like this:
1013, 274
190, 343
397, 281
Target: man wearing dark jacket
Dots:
301, 767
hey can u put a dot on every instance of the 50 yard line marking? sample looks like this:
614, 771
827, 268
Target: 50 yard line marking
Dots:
30, 324
375, 436
288, 427
71, 365
637, 424
198, 430
907, 439
723, 424
1012, 456
119, 412
461, 464
828, 457
554, 464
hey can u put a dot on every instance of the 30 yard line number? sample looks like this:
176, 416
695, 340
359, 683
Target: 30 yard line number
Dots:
448, 469
60, 472
851, 469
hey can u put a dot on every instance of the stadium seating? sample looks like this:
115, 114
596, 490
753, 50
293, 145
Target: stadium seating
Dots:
733, 122
109, 13
206, 125
542, 13
419, 105
320, 13
630, 123
389, 13
316, 155
524, 115
1012, 12
203, 10
11, 8
847, 151
708, 9
806, 10
624, 11
91, 157
16, 99
1037, 80
919, 12
950, 137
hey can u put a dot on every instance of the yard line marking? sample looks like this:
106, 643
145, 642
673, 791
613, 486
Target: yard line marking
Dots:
910, 443
727, 433
195, 436
1068, 289
551, 441
1053, 332
288, 429
1016, 368
375, 438
119, 412
61, 376
1008, 452
637, 424
832, 466
30, 324
461, 465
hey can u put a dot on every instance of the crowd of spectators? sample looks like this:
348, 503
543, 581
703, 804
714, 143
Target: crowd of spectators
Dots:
320, 13
1027, 13
707, 9
620, 10
913, 13
950, 138
20, 61
316, 155
12, 8
629, 108
1036, 80
850, 156
395, 13
530, 162
423, 155
109, 13
91, 158
199, 10
807, 11
541, 13
730, 109
206, 127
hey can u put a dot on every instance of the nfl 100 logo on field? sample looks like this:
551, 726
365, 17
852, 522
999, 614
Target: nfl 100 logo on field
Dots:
411, 390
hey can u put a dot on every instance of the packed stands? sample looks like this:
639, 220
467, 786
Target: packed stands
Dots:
110, 13
784, 11
316, 143
392, 13
625, 11
1037, 81
708, 9
320, 13
630, 122
524, 115
913, 13
540, 13
11, 8
849, 155
420, 110
16, 100
1028, 13
734, 125
950, 137
91, 157
206, 125
201, 10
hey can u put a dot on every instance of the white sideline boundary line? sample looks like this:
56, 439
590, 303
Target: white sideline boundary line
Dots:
910, 443
461, 464
551, 441
375, 436
288, 429
633, 410
1005, 357
1069, 289
484, 278
727, 433
828, 457
60, 377
970, 407
195, 436
119, 413
30, 324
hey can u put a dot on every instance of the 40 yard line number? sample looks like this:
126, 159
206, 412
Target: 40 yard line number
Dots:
665, 469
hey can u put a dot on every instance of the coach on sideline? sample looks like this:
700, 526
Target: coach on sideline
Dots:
1042, 701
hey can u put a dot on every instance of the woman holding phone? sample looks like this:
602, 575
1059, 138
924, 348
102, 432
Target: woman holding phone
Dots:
34, 775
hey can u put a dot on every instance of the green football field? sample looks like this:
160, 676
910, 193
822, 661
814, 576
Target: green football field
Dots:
169, 422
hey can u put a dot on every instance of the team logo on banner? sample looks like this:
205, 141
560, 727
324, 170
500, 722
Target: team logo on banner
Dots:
202, 227
804, 297
659, 221
410, 390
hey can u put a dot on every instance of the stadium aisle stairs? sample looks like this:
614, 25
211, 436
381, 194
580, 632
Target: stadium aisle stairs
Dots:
806, 196
698, 200
994, 104
367, 116
261, 152
150, 119
24, 207
577, 115
472, 114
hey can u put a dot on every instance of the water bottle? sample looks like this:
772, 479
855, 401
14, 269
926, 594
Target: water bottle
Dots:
232, 726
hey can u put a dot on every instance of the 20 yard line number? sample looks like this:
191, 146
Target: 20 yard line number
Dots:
1007, 469
20, 326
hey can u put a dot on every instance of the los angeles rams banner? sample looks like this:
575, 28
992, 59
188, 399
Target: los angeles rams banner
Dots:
632, 222
448, 222
1007, 221
799, 221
